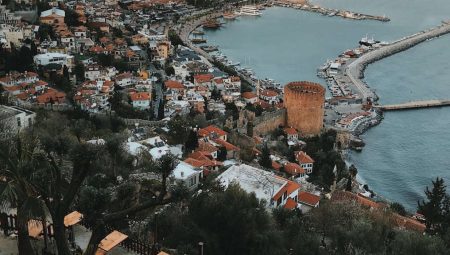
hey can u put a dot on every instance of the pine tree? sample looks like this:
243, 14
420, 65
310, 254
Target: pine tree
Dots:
265, 160
161, 110
192, 141
435, 209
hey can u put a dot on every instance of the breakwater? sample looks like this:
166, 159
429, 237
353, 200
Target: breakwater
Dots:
414, 105
355, 70
331, 12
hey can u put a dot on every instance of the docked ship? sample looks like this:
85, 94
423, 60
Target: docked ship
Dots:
249, 10
368, 42
209, 48
211, 24
198, 40
198, 32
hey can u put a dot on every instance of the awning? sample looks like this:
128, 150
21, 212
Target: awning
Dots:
72, 218
110, 241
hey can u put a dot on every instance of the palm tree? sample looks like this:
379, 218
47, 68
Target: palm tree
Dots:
19, 160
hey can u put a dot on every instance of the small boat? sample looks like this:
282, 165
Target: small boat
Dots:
209, 48
233, 64
198, 40
198, 32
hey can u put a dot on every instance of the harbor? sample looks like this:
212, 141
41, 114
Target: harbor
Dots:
398, 79
306, 6
353, 107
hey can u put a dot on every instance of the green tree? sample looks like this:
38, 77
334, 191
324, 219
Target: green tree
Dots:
79, 71
161, 109
163, 167
174, 38
264, 159
398, 208
234, 222
71, 18
222, 154
20, 157
191, 141
169, 70
436, 207
178, 130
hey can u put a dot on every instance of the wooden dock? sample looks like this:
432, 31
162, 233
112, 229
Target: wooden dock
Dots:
414, 105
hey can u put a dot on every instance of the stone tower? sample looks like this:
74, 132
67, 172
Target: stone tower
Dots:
304, 102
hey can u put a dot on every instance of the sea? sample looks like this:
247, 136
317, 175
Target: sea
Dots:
408, 149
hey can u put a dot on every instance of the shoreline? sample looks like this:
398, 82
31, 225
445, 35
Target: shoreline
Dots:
359, 65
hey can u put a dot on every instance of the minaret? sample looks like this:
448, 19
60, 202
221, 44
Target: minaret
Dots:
258, 86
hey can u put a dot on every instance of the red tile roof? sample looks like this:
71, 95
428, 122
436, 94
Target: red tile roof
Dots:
290, 187
269, 93
173, 84
290, 131
140, 96
228, 146
205, 146
290, 204
249, 95
294, 169
276, 165
303, 158
308, 198
51, 96
207, 131
201, 78
348, 196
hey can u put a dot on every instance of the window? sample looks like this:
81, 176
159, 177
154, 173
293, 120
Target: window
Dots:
279, 201
19, 124
284, 195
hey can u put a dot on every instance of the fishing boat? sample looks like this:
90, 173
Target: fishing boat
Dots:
198, 40
209, 48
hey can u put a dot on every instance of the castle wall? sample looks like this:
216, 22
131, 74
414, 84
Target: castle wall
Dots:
269, 121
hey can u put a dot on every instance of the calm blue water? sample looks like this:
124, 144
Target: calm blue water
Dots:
409, 148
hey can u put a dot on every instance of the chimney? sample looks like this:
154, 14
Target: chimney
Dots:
182, 174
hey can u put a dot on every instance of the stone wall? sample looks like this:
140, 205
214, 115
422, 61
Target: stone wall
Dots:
269, 121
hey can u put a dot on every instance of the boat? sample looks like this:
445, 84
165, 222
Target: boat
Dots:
211, 24
368, 42
198, 32
249, 10
209, 48
198, 40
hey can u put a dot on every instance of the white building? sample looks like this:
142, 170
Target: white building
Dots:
267, 186
187, 174
14, 119
12, 34
54, 58
141, 100
305, 161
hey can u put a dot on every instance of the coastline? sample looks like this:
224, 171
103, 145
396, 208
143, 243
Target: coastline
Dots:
357, 71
